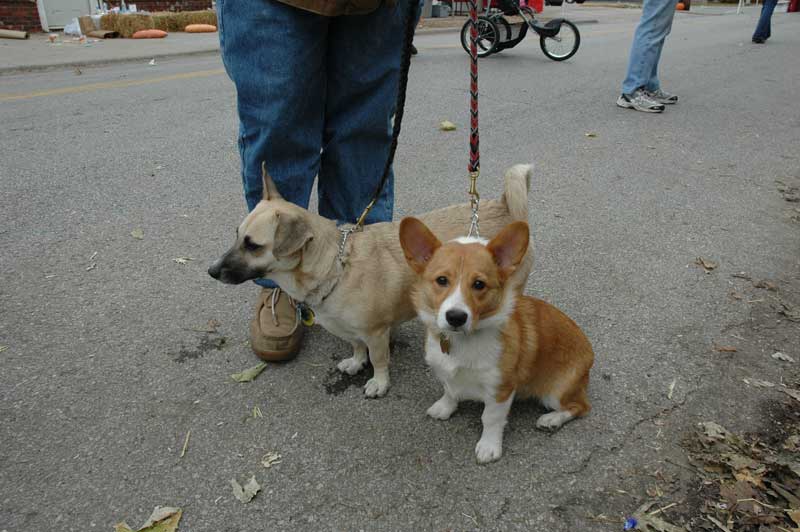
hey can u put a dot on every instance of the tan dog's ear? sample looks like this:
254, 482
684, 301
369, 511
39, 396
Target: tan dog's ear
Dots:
270, 190
509, 246
418, 243
291, 234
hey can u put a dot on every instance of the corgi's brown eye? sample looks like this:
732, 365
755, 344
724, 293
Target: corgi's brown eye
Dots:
441, 280
478, 285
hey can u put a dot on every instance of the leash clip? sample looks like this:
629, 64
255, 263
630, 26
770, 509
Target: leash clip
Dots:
475, 201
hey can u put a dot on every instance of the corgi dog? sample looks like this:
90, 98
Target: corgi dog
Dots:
488, 342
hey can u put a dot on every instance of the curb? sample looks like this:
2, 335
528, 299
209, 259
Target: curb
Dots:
101, 62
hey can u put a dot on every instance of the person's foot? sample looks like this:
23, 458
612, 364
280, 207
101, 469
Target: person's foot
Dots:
758, 40
275, 332
662, 96
413, 50
640, 101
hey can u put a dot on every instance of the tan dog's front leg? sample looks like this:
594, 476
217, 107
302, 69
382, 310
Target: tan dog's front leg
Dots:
378, 346
355, 363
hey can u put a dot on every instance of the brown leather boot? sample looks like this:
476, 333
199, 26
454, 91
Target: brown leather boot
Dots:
276, 331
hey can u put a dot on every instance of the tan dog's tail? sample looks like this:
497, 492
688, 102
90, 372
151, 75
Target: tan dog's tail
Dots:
518, 183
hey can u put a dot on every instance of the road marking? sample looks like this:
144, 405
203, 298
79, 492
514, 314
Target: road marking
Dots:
109, 85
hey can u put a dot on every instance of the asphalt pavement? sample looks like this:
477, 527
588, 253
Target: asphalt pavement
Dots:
107, 358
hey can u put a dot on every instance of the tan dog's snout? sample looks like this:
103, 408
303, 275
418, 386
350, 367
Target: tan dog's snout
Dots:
231, 268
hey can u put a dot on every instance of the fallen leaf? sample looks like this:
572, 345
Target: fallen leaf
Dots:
714, 431
649, 522
270, 459
257, 412
152, 62
795, 516
591, 135
91, 267
781, 356
186, 443
246, 493
671, 388
741, 275
137, 234
3, 348
794, 394
250, 373
446, 125
725, 348
163, 519
747, 475
182, 260
767, 285
792, 312
758, 383
706, 264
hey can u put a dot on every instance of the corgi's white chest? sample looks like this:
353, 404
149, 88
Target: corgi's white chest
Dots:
471, 369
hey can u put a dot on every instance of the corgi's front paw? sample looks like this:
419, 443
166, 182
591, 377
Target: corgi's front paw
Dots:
488, 450
443, 408
377, 386
553, 420
351, 365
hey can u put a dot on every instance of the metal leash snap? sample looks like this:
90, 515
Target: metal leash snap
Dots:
474, 201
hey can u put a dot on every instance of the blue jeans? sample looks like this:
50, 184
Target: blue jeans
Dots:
763, 28
654, 26
315, 98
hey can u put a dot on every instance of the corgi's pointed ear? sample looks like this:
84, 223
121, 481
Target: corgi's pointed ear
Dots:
509, 246
270, 190
418, 243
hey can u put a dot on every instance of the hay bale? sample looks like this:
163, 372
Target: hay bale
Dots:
166, 21
109, 22
131, 23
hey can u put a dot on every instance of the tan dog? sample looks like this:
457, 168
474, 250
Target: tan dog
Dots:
488, 343
357, 294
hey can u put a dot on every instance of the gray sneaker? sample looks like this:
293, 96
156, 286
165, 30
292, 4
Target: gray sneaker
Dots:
662, 96
641, 101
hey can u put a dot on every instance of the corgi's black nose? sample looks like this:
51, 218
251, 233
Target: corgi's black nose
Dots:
455, 318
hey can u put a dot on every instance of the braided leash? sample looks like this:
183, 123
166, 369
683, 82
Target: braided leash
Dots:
474, 166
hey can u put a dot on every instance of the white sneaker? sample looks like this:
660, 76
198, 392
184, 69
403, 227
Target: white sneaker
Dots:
641, 101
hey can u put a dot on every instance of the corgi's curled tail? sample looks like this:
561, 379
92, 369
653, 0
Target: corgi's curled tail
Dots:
517, 186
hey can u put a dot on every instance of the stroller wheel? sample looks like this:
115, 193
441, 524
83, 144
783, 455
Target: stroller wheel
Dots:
488, 36
563, 44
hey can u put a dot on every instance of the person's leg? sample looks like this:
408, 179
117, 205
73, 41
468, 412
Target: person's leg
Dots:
363, 69
654, 26
275, 55
763, 28
653, 84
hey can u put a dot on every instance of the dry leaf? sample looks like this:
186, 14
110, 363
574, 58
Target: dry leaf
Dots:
650, 522
767, 285
714, 431
591, 135
671, 388
3, 348
250, 373
781, 356
706, 264
747, 475
792, 312
270, 459
137, 233
257, 412
795, 516
446, 125
163, 519
246, 493
182, 260
794, 394
758, 383
725, 348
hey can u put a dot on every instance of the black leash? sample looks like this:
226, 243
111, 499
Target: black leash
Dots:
405, 64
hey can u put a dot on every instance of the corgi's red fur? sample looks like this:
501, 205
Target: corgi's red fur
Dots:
488, 342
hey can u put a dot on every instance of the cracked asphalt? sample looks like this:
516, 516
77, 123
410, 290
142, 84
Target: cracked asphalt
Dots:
108, 360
